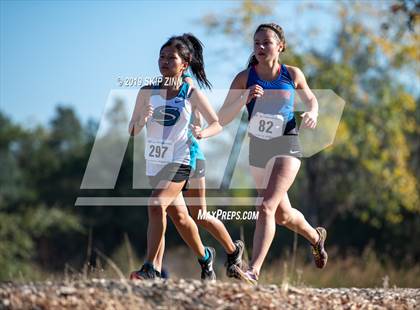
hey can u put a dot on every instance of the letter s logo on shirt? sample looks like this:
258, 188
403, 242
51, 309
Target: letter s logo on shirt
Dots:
166, 116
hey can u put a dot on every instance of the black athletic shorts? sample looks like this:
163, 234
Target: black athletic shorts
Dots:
200, 169
172, 172
261, 151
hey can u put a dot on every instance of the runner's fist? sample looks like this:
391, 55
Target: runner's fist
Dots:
309, 119
145, 112
196, 131
255, 91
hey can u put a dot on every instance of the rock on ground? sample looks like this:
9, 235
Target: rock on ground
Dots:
194, 294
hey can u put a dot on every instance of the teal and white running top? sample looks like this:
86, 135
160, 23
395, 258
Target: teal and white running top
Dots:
169, 138
196, 153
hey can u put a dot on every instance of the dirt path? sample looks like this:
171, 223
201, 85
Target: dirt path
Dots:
193, 294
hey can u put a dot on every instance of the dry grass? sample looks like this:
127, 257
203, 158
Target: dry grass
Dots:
353, 271
292, 269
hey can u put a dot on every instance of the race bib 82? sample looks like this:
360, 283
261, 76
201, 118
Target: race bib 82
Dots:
266, 126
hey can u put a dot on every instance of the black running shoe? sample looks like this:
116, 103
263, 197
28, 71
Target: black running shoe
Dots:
146, 272
235, 259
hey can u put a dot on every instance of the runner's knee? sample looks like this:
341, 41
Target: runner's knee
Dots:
179, 218
156, 211
267, 209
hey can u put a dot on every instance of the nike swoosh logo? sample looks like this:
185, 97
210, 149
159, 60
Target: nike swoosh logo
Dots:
293, 152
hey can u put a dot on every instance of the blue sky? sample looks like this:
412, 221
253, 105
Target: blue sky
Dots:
72, 52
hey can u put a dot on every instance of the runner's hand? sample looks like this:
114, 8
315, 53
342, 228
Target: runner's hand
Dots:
309, 119
255, 91
196, 131
135, 125
145, 112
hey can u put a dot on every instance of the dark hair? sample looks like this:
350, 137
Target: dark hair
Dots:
280, 34
190, 49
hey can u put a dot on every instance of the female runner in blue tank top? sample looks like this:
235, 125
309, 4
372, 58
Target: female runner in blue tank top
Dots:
168, 152
274, 148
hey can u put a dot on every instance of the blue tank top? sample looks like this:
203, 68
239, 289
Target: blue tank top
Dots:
283, 82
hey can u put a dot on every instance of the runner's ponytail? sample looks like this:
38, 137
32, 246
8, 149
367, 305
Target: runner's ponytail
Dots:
190, 49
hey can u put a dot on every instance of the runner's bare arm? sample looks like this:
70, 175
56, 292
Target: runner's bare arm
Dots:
197, 119
305, 93
201, 104
235, 99
142, 110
